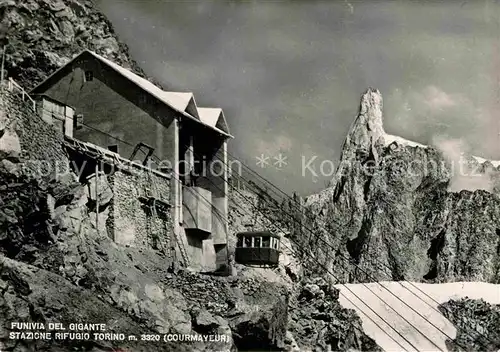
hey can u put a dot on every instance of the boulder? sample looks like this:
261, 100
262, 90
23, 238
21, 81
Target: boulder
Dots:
66, 13
55, 5
79, 9
30, 5
8, 167
67, 30
205, 322
10, 146
290, 343
318, 322
64, 188
7, 3
261, 319
106, 46
54, 59
311, 291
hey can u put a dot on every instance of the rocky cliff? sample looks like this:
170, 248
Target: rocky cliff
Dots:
393, 210
42, 35
477, 324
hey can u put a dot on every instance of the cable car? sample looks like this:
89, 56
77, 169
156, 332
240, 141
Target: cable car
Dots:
259, 248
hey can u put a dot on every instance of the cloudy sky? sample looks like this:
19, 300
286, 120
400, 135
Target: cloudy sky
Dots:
289, 74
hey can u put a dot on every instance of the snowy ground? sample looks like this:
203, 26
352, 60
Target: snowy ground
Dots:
425, 332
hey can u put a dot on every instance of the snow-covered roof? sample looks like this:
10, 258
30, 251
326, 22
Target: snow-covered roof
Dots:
209, 115
213, 117
177, 100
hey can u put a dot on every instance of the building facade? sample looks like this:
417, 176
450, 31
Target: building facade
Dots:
176, 194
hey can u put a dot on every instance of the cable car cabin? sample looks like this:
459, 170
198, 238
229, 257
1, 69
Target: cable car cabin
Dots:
257, 248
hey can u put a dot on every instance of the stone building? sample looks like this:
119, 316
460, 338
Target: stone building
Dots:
165, 158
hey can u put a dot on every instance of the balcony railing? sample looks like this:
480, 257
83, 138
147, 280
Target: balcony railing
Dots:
13, 86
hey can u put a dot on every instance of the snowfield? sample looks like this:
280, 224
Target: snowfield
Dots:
426, 332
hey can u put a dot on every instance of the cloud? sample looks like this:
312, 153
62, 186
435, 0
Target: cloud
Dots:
455, 125
422, 114
438, 100
465, 175
279, 144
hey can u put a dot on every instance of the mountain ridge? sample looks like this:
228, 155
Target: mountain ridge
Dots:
388, 192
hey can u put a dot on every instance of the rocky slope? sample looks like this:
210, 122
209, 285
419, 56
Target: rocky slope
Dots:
390, 212
317, 319
41, 35
56, 266
477, 324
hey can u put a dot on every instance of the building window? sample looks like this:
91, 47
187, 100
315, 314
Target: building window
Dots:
89, 76
266, 242
47, 111
248, 242
77, 122
257, 242
58, 112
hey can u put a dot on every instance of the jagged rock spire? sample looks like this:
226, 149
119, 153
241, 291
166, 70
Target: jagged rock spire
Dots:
367, 128
371, 111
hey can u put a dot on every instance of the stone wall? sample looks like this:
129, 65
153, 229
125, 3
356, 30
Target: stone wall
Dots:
40, 145
134, 221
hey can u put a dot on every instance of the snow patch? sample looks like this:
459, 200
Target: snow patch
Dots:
421, 334
480, 160
389, 138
